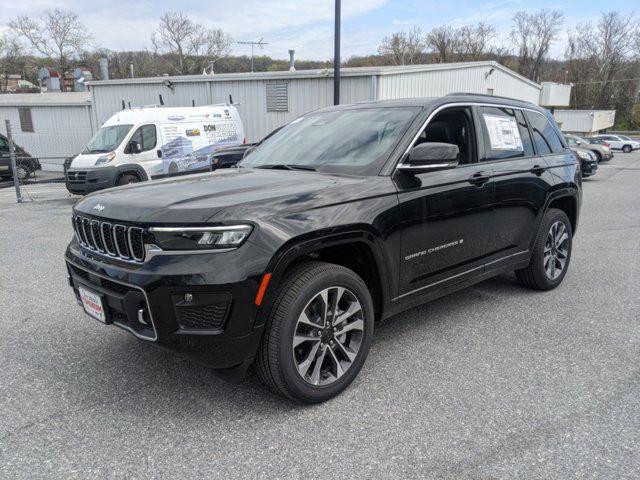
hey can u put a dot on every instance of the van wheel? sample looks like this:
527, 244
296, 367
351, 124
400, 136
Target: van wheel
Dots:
551, 253
626, 148
128, 178
318, 333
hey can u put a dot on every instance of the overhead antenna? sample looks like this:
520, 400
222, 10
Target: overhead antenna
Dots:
260, 43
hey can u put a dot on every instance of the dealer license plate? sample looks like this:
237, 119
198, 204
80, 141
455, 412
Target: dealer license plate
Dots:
92, 303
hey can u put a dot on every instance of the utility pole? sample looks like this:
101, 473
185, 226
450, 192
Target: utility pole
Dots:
260, 43
336, 56
14, 161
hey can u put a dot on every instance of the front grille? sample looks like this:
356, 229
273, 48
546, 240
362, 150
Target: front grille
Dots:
209, 316
76, 176
119, 241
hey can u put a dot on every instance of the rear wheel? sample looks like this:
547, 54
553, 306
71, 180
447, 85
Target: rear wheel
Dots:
598, 155
626, 148
318, 333
551, 253
128, 178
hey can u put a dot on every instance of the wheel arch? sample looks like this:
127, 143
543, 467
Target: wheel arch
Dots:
130, 169
567, 201
357, 250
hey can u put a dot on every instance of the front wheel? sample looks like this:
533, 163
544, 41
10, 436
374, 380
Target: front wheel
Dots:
23, 173
318, 333
626, 148
127, 179
551, 253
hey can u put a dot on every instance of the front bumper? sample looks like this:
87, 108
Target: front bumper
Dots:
588, 167
216, 327
81, 181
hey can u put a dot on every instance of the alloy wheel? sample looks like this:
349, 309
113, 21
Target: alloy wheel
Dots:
556, 250
328, 336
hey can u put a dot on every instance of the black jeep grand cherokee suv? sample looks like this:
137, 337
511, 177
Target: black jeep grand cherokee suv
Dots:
348, 215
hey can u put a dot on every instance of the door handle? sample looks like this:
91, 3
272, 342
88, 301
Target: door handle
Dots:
537, 170
478, 179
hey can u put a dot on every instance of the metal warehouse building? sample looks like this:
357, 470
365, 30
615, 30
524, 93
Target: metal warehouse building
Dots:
50, 126
585, 121
268, 100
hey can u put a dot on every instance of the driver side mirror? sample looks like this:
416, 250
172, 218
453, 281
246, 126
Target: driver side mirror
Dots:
430, 157
134, 147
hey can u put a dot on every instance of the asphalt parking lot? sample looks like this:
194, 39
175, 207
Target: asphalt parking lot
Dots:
492, 382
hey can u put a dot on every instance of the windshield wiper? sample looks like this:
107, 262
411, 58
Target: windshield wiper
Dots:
287, 166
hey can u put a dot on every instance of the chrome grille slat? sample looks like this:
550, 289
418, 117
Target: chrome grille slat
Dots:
120, 236
97, 236
113, 240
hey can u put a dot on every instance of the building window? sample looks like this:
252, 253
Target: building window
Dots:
277, 97
26, 122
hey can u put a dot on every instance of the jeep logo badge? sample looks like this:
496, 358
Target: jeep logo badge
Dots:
99, 207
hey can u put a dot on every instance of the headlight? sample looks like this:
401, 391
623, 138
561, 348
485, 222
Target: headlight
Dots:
200, 238
105, 158
584, 154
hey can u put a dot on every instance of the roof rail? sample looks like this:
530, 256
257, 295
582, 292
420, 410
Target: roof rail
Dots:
484, 95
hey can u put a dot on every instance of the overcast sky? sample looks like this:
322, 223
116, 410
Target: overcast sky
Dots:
306, 26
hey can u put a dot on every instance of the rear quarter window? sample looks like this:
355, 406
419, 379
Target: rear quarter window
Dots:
545, 136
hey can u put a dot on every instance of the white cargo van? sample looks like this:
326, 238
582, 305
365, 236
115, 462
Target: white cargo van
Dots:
146, 143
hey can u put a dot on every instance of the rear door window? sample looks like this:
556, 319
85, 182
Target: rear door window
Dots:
544, 135
503, 134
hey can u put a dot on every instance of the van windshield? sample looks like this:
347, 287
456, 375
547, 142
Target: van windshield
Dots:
107, 139
354, 141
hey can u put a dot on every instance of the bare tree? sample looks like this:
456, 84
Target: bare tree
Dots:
403, 48
602, 55
533, 34
10, 51
472, 41
443, 42
57, 34
185, 40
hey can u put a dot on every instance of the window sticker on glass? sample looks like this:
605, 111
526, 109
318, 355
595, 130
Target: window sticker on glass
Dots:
503, 132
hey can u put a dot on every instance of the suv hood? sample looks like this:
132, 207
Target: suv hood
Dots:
235, 193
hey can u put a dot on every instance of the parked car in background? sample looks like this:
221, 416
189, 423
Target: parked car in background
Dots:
588, 160
601, 150
619, 142
147, 143
25, 163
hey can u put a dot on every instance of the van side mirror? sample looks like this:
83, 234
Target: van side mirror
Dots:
134, 147
429, 157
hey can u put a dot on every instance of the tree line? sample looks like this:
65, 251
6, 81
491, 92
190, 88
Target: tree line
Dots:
602, 60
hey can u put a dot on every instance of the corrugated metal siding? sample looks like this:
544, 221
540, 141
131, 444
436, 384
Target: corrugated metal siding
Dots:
469, 80
584, 121
59, 131
305, 95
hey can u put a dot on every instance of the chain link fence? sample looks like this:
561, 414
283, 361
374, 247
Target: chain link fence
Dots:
30, 177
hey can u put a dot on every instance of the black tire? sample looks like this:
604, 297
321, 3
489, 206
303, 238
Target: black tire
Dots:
535, 275
275, 364
598, 155
626, 148
24, 172
127, 179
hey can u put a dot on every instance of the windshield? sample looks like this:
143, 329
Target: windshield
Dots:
107, 139
624, 137
338, 141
